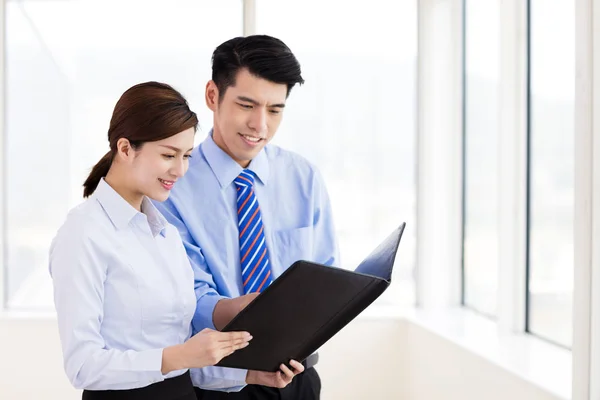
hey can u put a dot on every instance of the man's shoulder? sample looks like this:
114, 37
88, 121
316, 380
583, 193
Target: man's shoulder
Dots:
280, 157
195, 178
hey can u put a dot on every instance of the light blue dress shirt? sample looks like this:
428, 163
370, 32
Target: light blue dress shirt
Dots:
297, 221
123, 291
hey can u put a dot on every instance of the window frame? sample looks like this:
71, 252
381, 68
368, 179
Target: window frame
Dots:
586, 294
3, 264
513, 168
528, 271
463, 270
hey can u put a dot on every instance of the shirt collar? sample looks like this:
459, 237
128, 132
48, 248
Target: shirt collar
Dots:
157, 222
121, 212
226, 169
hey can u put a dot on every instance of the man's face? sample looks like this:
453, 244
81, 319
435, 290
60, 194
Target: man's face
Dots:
247, 116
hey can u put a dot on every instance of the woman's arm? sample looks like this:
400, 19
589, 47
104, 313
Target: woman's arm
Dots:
79, 269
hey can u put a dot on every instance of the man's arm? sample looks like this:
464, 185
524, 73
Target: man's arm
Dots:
206, 290
214, 310
325, 245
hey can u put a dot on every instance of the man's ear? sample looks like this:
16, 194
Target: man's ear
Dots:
212, 95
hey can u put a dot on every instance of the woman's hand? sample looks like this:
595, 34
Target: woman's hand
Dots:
208, 346
205, 348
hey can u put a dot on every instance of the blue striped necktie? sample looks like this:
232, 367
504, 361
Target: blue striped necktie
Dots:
254, 256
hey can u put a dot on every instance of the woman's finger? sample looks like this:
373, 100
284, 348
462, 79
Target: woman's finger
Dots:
235, 342
229, 350
234, 336
232, 348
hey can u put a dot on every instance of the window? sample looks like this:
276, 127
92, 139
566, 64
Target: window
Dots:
480, 243
355, 117
551, 169
67, 63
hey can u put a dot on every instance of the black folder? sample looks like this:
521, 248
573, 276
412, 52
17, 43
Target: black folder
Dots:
307, 305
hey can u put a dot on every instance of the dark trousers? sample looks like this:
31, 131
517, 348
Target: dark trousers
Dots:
306, 386
177, 388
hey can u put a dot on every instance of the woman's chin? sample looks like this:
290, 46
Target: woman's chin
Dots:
163, 196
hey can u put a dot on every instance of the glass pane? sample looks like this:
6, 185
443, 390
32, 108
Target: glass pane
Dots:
355, 117
482, 63
552, 91
67, 64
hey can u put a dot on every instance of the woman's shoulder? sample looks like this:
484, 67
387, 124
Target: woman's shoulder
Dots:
83, 221
83, 238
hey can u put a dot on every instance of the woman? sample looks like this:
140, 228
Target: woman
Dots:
123, 285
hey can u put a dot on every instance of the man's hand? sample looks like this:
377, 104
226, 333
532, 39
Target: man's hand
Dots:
279, 379
243, 301
226, 309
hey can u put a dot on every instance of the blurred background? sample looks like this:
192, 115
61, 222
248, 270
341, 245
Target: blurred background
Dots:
382, 79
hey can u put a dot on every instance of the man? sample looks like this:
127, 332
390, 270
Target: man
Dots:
247, 210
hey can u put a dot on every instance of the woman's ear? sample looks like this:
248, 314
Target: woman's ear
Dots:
124, 149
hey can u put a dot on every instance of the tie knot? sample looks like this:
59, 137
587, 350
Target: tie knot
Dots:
246, 178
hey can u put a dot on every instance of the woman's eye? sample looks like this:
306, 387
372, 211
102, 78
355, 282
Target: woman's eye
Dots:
168, 156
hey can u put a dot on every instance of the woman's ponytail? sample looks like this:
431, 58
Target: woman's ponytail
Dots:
99, 171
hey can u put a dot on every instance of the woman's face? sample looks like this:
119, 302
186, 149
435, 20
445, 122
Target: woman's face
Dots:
157, 165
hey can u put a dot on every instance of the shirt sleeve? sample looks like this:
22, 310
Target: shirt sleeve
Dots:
204, 285
78, 273
212, 378
219, 378
326, 250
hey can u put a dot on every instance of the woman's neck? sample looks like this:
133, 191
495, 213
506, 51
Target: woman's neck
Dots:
119, 184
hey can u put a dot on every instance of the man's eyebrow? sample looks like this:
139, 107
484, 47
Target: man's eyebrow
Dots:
256, 103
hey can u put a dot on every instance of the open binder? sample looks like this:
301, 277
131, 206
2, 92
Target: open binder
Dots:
307, 305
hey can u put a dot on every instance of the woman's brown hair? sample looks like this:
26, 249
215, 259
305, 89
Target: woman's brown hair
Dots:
146, 112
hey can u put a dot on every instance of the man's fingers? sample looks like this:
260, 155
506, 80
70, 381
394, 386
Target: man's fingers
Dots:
280, 380
298, 367
288, 373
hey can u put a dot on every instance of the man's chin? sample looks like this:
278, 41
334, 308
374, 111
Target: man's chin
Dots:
244, 158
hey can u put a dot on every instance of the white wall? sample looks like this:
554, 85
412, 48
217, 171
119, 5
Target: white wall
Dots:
365, 355
366, 360
439, 369
31, 361
388, 358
